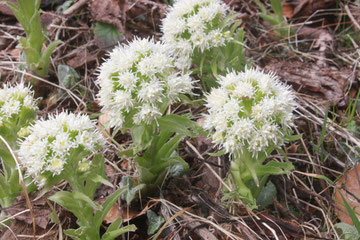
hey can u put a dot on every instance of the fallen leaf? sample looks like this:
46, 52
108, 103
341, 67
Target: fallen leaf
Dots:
288, 10
305, 8
102, 123
40, 209
327, 83
113, 214
108, 11
15, 52
106, 35
6, 10
81, 56
349, 187
293, 148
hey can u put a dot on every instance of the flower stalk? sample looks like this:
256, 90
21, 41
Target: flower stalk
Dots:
137, 84
250, 115
65, 147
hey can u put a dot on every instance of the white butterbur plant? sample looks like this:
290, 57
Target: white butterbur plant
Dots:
249, 116
138, 83
54, 146
18, 110
200, 31
65, 147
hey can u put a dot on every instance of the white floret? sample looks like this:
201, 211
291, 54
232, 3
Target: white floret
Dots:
245, 115
48, 146
143, 82
192, 21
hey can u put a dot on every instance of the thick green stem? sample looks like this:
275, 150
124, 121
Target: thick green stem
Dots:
236, 171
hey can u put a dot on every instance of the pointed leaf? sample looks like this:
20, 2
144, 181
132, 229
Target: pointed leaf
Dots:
99, 179
115, 233
81, 196
106, 206
154, 222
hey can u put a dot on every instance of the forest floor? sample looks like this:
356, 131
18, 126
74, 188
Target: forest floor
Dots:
320, 61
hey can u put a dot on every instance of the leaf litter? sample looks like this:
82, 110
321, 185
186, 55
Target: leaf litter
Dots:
318, 62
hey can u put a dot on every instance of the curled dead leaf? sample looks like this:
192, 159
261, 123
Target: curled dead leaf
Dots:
349, 187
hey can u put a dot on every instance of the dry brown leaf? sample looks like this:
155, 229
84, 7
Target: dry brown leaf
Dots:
326, 83
6, 10
293, 148
288, 10
40, 208
82, 56
305, 8
113, 214
102, 122
15, 52
130, 213
108, 11
349, 187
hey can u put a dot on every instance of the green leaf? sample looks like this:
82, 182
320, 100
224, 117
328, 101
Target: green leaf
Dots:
142, 136
107, 205
128, 153
45, 57
154, 222
36, 37
74, 233
106, 35
18, 14
274, 168
178, 169
293, 138
266, 195
99, 179
352, 213
178, 124
271, 19
67, 76
218, 153
113, 234
31, 55
346, 231
54, 217
129, 194
63, 7
168, 148
67, 200
277, 7
81, 196
115, 225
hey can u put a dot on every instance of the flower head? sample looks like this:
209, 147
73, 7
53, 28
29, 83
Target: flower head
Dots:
16, 101
50, 144
250, 110
195, 24
137, 79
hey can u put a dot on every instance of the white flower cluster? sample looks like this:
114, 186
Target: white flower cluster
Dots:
137, 79
194, 24
47, 149
14, 100
250, 110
